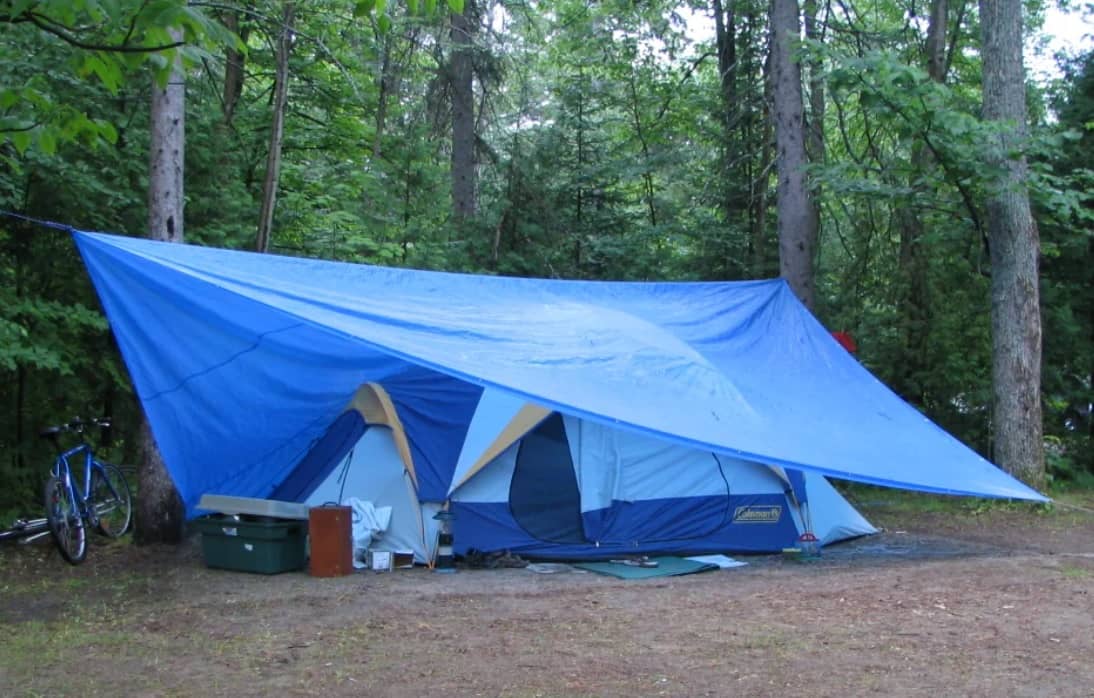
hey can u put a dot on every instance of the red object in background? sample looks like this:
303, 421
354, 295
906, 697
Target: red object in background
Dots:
846, 341
330, 533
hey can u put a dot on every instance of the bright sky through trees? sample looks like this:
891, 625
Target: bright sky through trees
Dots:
1069, 32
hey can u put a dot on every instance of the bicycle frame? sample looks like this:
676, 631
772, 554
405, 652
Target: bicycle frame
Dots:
62, 470
87, 502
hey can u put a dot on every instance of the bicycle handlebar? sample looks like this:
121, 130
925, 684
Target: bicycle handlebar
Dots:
78, 425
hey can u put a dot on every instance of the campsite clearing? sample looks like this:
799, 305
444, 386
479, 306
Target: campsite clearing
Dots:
954, 598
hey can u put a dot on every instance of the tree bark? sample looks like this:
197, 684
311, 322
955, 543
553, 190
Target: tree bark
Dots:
760, 175
640, 133
725, 35
1013, 237
384, 85
936, 40
168, 146
735, 202
815, 132
814, 125
160, 515
797, 216
234, 62
461, 76
912, 263
277, 130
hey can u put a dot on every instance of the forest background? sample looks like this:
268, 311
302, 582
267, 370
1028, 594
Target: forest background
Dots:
555, 138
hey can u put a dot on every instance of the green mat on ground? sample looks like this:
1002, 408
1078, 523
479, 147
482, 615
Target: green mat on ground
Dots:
667, 566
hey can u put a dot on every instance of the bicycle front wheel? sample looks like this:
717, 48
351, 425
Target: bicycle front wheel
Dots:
111, 500
65, 523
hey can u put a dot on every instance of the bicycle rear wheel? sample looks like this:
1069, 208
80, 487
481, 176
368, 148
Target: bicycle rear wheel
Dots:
110, 498
65, 522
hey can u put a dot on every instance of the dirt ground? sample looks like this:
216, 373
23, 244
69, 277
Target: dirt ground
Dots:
948, 601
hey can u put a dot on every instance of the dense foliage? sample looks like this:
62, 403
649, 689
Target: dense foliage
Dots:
612, 140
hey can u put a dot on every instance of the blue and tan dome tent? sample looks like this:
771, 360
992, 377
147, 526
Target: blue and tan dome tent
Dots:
541, 483
244, 363
545, 483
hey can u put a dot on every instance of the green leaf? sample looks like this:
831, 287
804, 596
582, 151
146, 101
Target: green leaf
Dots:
106, 70
412, 6
456, 6
47, 141
8, 98
364, 8
107, 131
384, 23
21, 140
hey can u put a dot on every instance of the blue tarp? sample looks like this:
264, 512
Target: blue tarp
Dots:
243, 360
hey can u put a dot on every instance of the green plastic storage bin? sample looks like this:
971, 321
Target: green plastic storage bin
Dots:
265, 546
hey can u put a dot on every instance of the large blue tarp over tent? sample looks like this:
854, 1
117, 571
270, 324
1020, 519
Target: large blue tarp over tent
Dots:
243, 360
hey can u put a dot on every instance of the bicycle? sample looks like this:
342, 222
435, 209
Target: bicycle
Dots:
25, 530
102, 501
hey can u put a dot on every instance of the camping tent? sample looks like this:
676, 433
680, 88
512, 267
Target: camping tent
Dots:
243, 362
545, 483
540, 483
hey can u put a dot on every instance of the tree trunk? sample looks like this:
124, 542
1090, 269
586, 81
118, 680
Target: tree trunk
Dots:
463, 113
725, 35
384, 85
234, 62
759, 176
577, 230
797, 217
505, 221
815, 133
168, 147
647, 169
936, 40
160, 515
1013, 236
277, 130
914, 301
734, 147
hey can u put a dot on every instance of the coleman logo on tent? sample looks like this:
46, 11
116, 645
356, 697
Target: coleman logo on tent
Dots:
767, 513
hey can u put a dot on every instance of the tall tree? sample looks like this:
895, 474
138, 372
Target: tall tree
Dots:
814, 31
1013, 236
160, 514
235, 62
277, 128
913, 300
814, 131
759, 174
725, 37
461, 81
797, 216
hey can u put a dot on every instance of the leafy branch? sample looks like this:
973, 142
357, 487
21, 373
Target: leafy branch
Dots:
115, 48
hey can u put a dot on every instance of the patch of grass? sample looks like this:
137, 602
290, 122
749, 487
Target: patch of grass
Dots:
74, 591
31, 585
29, 646
24, 643
1073, 508
1074, 572
1074, 497
44, 655
73, 585
870, 498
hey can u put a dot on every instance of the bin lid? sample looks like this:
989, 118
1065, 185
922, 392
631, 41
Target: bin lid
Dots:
275, 508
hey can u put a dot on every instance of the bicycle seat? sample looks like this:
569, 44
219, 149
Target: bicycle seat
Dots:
50, 432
